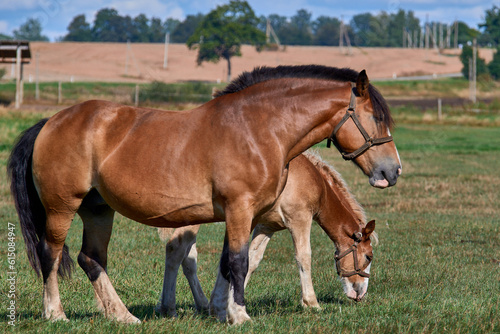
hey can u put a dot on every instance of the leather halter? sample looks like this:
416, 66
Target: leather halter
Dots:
369, 141
357, 271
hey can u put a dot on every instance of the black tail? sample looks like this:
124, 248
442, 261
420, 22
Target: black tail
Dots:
28, 205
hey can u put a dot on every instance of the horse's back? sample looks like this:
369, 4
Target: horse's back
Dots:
128, 155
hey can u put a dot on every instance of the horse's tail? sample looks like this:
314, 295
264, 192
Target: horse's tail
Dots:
28, 205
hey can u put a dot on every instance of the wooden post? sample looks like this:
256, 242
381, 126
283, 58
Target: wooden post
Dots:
165, 55
474, 72
136, 102
18, 77
59, 92
440, 115
37, 88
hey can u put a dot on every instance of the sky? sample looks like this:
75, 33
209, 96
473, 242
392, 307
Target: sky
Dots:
55, 15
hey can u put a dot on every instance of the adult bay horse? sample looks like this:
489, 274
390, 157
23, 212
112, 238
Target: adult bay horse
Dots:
224, 160
314, 190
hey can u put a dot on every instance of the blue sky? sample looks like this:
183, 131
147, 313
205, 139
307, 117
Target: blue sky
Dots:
56, 15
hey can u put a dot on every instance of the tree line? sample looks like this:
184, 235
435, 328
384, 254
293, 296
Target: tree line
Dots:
366, 29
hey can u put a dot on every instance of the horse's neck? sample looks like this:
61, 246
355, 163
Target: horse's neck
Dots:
298, 112
335, 215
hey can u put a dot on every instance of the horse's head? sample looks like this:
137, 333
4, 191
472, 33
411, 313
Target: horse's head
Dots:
353, 260
363, 134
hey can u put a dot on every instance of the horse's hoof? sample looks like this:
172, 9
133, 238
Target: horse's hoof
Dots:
237, 315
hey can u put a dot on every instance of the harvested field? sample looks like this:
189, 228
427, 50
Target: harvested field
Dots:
144, 62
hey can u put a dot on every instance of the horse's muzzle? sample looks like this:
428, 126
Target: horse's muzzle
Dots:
385, 175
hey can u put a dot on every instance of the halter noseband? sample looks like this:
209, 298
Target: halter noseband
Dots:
369, 141
357, 271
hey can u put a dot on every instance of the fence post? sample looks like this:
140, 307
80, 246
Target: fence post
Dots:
37, 88
440, 115
136, 102
59, 93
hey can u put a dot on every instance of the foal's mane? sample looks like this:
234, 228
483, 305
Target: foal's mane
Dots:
330, 174
264, 73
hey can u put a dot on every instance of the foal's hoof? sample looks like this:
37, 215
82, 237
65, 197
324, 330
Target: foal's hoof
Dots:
55, 316
165, 312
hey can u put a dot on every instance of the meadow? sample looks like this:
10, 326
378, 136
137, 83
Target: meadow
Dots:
436, 269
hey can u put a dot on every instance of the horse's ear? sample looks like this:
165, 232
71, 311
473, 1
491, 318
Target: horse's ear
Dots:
369, 228
362, 84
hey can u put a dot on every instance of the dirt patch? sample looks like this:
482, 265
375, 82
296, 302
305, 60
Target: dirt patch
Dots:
144, 62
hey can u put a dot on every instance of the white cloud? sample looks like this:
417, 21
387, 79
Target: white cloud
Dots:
18, 4
4, 27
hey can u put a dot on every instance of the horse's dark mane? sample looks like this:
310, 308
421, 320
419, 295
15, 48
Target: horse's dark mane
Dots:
264, 73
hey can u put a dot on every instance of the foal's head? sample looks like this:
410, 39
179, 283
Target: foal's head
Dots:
363, 134
353, 260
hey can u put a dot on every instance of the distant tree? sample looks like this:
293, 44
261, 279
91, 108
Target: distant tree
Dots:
466, 34
157, 31
170, 25
185, 29
141, 31
494, 65
326, 31
298, 31
368, 30
78, 30
466, 54
492, 25
111, 27
222, 32
5, 37
30, 31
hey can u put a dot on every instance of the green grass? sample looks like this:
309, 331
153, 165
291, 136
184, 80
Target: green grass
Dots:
435, 270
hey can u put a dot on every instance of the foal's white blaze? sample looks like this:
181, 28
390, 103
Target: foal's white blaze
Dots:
355, 290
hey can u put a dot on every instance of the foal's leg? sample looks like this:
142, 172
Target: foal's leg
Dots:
189, 267
98, 223
301, 234
180, 249
260, 239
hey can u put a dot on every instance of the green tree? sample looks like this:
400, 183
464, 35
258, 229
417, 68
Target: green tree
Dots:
30, 31
492, 25
326, 31
79, 30
222, 32
466, 54
141, 31
494, 65
185, 29
111, 27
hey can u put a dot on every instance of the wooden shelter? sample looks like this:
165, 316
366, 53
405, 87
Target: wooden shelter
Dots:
19, 53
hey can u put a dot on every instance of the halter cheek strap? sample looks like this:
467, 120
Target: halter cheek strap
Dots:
357, 270
369, 141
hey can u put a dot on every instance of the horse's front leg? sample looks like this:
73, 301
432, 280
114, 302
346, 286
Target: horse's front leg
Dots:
234, 262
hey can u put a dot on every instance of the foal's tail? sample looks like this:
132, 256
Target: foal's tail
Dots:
28, 205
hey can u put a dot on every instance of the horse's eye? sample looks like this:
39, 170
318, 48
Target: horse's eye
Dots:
369, 258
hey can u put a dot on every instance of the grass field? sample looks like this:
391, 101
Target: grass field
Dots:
436, 269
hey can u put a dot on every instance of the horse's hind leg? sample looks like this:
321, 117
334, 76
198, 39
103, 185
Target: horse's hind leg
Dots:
97, 219
50, 249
